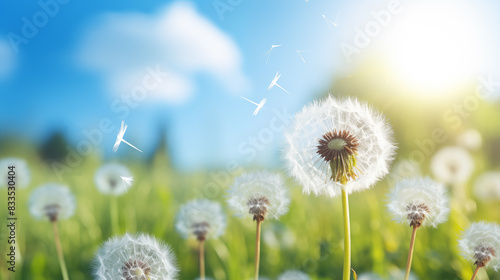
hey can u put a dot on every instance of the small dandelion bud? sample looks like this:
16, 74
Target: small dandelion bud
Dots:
338, 143
294, 275
21, 172
52, 201
134, 257
108, 179
419, 201
452, 165
202, 219
480, 244
260, 194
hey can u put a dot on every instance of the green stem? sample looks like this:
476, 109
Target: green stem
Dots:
410, 253
347, 236
114, 215
257, 249
60, 255
475, 272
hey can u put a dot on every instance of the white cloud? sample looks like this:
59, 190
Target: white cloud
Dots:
178, 38
7, 59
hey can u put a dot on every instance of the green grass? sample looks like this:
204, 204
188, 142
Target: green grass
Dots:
308, 238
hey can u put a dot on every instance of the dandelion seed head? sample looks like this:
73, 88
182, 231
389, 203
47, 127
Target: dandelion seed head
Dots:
470, 139
134, 257
367, 152
293, 275
260, 194
487, 186
419, 201
53, 202
22, 175
369, 276
108, 179
452, 165
201, 218
480, 244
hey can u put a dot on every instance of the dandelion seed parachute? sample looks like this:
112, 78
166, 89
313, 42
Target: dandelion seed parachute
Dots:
294, 275
452, 165
53, 202
487, 186
134, 257
22, 175
419, 201
480, 243
259, 194
108, 179
374, 146
201, 218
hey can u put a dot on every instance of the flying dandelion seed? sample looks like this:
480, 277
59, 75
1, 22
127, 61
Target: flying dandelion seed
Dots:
22, 172
329, 23
487, 186
119, 138
452, 165
298, 52
137, 257
480, 243
259, 105
268, 53
293, 275
274, 82
113, 179
263, 195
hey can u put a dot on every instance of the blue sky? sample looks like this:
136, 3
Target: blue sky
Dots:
90, 55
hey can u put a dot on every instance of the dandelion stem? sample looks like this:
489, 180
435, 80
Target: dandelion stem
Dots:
410, 253
60, 255
347, 236
201, 257
257, 249
114, 215
475, 272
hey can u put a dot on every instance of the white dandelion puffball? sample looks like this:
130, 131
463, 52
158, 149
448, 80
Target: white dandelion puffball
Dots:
202, 219
419, 201
404, 168
260, 194
452, 165
22, 175
470, 139
108, 179
487, 186
52, 201
134, 257
480, 243
400, 274
343, 134
293, 275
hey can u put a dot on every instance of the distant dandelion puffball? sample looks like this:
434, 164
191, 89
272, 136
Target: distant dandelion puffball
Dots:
260, 194
22, 175
452, 165
404, 168
108, 179
487, 186
338, 139
294, 275
369, 276
419, 201
53, 202
480, 243
470, 139
134, 257
202, 219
